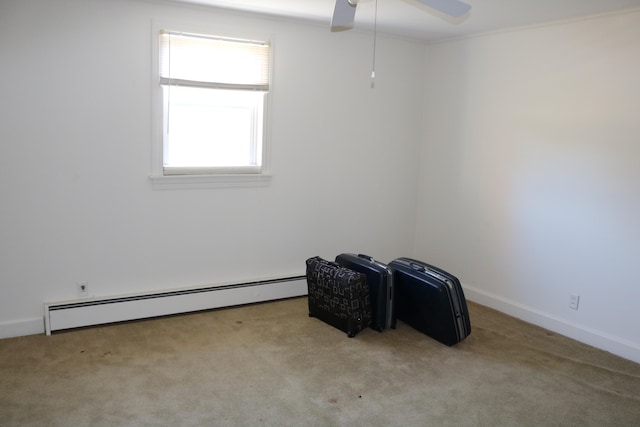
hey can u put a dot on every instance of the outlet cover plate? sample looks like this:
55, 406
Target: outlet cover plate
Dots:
574, 301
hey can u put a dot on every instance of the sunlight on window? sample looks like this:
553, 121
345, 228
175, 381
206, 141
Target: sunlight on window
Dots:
214, 95
212, 128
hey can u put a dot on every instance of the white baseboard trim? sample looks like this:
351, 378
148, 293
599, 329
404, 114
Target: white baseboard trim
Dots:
586, 335
19, 328
120, 308
95, 311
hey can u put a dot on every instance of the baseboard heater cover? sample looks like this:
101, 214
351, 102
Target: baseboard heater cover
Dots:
97, 311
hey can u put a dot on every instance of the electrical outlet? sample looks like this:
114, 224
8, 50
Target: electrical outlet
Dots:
83, 289
574, 300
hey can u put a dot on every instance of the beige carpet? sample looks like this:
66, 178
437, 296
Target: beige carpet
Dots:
271, 365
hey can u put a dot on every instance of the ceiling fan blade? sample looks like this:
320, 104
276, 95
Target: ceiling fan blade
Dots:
453, 8
343, 15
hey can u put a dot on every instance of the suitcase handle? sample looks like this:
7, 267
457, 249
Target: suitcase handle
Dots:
430, 272
367, 257
418, 267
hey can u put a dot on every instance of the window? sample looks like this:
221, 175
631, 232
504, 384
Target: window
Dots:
213, 104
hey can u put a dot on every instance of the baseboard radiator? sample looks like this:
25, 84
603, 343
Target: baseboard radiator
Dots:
97, 311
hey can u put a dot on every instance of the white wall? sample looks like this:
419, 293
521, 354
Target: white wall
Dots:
75, 155
529, 174
526, 178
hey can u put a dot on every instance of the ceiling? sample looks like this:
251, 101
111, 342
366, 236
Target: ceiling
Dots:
411, 19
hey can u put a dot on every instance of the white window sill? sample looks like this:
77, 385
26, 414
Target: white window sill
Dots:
177, 182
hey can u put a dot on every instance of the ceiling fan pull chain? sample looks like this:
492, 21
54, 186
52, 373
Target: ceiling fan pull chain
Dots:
375, 32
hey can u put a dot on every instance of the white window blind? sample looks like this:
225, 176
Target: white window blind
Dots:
214, 92
213, 62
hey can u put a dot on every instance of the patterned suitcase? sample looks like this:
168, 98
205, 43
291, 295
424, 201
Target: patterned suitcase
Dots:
381, 292
430, 300
338, 296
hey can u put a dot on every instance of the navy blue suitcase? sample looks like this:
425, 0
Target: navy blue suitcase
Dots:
338, 296
380, 283
430, 300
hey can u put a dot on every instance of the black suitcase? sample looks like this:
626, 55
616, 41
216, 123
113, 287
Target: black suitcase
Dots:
380, 282
430, 300
338, 296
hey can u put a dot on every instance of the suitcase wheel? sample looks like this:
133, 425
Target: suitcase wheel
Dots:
351, 334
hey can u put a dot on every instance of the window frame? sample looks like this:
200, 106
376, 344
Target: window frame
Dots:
208, 177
